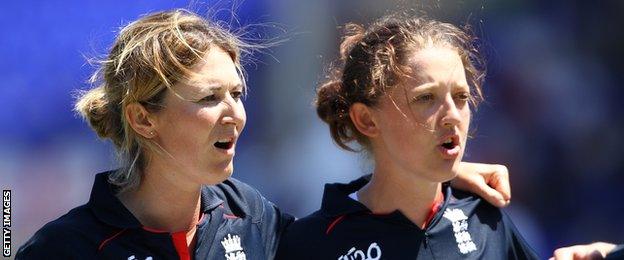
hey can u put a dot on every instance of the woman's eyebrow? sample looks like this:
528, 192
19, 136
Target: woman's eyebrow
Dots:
216, 86
203, 88
461, 86
428, 86
425, 86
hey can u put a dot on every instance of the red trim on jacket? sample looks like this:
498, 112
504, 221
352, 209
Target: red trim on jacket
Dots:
103, 243
179, 241
435, 207
333, 223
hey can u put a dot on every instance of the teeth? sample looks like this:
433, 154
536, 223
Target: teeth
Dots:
448, 141
224, 140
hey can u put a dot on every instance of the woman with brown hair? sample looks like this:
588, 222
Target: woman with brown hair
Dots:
169, 97
404, 91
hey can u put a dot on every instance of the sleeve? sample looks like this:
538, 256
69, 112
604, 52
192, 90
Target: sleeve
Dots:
290, 246
302, 239
273, 223
270, 220
283, 251
617, 253
517, 247
50, 242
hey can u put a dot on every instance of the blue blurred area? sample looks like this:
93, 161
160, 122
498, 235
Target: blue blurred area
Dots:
553, 110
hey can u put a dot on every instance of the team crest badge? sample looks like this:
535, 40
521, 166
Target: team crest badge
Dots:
233, 248
460, 228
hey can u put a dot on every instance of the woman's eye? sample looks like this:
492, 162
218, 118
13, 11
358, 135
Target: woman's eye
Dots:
209, 98
464, 96
237, 94
424, 98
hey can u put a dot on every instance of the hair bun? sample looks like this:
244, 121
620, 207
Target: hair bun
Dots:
95, 108
331, 103
332, 106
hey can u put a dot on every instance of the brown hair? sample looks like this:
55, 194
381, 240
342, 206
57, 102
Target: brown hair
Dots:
375, 59
149, 56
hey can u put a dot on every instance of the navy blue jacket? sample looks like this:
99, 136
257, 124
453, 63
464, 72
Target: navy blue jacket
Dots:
236, 220
465, 227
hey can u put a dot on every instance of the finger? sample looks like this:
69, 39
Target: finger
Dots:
491, 195
499, 180
564, 253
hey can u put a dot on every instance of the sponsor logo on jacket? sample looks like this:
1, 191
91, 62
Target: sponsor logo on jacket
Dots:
373, 253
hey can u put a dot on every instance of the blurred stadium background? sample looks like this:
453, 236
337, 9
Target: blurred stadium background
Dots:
553, 111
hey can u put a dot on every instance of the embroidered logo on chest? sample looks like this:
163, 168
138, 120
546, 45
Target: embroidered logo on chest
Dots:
233, 248
373, 253
460, 228
132, 257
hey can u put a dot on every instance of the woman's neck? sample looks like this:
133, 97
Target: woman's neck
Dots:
165, 201
390, 189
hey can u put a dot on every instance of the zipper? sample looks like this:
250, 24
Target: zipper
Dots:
427, 245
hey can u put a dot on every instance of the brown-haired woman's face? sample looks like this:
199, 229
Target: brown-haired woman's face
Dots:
200, 127
424, 121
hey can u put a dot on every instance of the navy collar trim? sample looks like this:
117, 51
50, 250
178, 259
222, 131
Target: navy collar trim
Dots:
109, 209
336, 200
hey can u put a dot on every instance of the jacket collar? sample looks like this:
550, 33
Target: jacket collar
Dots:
336, 200
109, 209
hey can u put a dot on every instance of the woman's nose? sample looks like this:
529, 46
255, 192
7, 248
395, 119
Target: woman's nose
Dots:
235, 111
450, 113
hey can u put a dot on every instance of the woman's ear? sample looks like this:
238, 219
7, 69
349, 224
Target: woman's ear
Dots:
364, 120
140, 120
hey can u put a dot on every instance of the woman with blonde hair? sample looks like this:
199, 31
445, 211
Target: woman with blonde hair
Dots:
169, 98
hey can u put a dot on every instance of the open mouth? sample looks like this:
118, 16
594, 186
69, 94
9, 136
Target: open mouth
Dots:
449, 148
225, 144
450, 142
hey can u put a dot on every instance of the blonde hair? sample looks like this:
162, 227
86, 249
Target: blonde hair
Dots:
374, 59
149, 56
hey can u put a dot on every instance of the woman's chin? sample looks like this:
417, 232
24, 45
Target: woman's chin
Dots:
448, 172
445, 176
215, 175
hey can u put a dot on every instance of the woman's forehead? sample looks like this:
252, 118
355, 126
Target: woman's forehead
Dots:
214, 72
436, 64
215, 68
197, 88
435, 57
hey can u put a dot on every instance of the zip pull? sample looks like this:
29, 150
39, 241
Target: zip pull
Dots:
426, 239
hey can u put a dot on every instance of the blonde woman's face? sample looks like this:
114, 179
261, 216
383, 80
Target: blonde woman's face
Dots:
424, 121
199, 127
